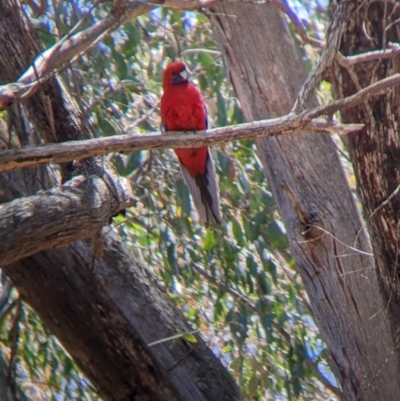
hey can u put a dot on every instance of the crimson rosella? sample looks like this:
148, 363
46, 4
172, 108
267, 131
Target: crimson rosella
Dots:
183, 109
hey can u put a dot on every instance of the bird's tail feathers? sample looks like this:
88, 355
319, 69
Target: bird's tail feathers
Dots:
205, 192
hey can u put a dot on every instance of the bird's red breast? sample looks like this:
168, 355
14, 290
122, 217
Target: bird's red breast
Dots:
183, 109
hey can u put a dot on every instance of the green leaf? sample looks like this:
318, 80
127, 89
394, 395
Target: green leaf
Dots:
121, 67
237, 232
263, 284
251, 265
205, 60
276, 237
247, 227
189, 337
227, 348
209, 241
182, 197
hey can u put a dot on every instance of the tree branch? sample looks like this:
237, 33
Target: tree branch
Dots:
370, 56
360, 97
335, 31
67, 151
82, 149
75, 211
74, 44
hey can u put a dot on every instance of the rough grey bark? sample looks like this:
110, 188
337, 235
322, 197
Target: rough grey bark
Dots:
313, 198
375, 151
105, 312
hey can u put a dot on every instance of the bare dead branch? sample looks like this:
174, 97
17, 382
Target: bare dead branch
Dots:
371, 56
82, 149
187, 4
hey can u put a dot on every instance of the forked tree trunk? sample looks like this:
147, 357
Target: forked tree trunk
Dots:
105, 312
315, 203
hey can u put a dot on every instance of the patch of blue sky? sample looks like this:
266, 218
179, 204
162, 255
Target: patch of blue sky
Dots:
304, 9
119, 36
189, 18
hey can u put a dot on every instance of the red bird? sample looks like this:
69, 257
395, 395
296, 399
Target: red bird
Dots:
183, 109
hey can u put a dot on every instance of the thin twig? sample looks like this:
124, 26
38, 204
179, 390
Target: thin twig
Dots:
171, 338
371, 56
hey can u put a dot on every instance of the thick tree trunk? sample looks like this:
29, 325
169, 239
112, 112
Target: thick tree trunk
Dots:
313, 198
106, 312
375, 152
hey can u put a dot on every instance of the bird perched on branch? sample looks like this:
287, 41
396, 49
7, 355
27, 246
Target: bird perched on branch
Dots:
183, 109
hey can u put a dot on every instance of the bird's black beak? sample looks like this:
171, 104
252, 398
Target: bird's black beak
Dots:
181, 77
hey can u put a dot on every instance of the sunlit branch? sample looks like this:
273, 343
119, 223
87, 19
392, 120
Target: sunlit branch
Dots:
75, 211
82, 149
356, 99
